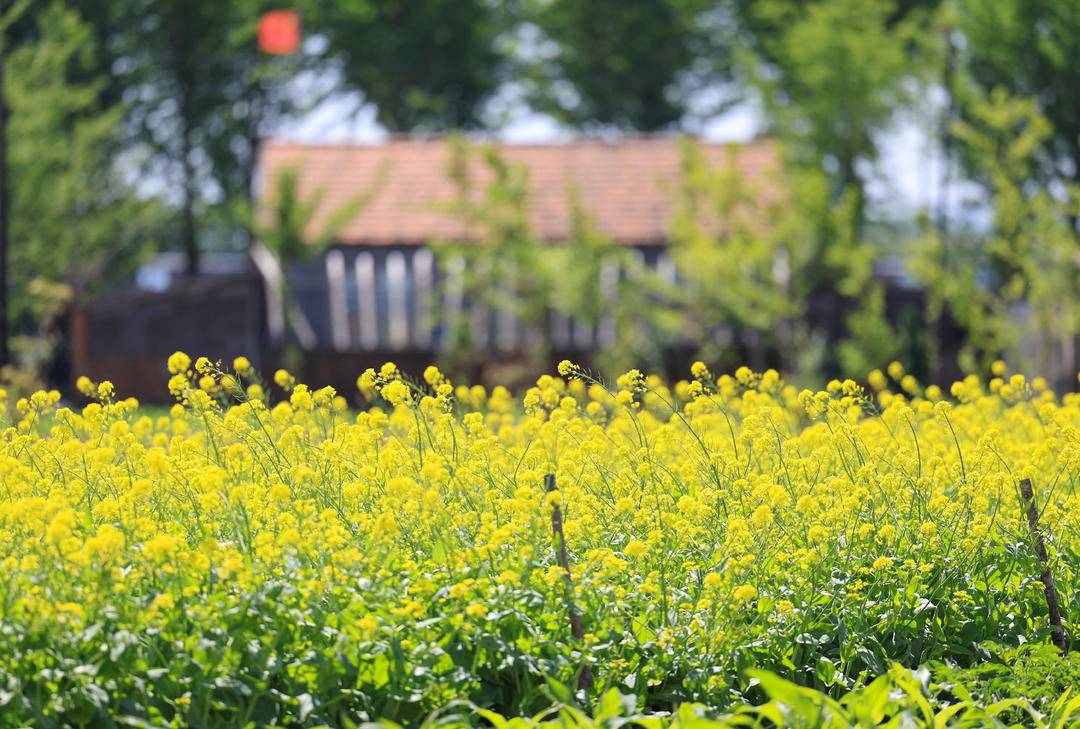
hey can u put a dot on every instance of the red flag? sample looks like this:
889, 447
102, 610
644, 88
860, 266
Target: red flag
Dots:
279, 32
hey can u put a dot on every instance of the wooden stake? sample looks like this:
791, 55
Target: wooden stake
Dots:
1057, 633
576, 628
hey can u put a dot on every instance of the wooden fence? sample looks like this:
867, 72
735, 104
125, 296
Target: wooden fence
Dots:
361, 306
399, 299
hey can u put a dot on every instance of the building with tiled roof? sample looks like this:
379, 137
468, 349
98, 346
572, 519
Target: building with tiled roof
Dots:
626, 185
375, 289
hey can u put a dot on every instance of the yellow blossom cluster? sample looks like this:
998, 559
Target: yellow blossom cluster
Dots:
712, 524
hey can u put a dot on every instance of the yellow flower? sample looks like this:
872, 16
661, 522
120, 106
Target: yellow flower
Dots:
423, 521
60, 527
368, 624
284, 380
106, 542
745, 593
396, 393
301, 398
762, 516
432, 376
178, 363
366, 381
161, 547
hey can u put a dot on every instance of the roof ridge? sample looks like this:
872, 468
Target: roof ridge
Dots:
415, 141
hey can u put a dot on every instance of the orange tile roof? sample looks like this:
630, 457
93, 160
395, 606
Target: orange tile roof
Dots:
626, 185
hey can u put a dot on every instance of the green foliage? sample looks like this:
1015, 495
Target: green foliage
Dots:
1034, 670
753, 258
198, 98
1030, 260
871, 340
184, 674
72, 215
743, 253
898, 698
1029, 47
832, 78
748, 259
289, 216
508, 268
424, 65
499, 253
630, 65
606, 285
75, 224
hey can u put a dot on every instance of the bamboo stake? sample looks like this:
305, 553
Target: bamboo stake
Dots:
576, 628
1057, 633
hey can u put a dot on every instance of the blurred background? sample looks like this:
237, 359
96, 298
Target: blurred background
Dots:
821, 186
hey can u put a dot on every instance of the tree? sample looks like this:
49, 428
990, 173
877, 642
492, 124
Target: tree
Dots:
1029, 47
1017, 285
426, 66
628, 64
607, 287
198, 98
502, 255
831, 74
507, 268
74, 224
6, 19
283, 235
757, 262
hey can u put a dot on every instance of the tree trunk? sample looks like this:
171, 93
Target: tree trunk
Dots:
188, 231
5, 217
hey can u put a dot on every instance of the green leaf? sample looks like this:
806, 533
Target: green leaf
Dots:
495, 719
825, 671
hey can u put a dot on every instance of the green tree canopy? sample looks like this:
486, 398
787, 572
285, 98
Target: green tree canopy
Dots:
629, 65
831, 73
1030, 47
426, 66
74, 222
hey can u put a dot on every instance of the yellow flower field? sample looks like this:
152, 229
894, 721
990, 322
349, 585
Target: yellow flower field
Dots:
264, 554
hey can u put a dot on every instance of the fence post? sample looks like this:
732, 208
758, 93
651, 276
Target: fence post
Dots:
1057, 633
576, 628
